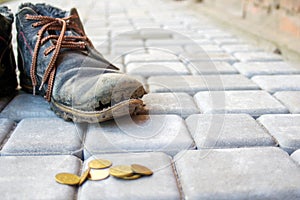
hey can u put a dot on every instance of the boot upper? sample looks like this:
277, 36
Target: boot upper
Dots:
8, 80
83, 78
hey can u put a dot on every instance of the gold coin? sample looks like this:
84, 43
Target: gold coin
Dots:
99, 164
67, 178
133, 177
97, 175
142, 170
84, 176
120, 171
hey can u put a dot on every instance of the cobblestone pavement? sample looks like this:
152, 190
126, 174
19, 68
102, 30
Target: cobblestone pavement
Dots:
224, 117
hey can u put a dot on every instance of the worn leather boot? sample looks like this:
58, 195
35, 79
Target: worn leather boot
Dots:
8, 78
58, 61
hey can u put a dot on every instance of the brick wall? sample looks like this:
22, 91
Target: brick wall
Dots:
281, 15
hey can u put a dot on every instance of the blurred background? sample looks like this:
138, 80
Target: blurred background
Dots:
273, 22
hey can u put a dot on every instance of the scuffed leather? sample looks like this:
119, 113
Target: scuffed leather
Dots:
83, 78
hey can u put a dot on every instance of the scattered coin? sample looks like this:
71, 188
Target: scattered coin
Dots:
133, 177
67, 178
120, 171
99, 164
142, 170
97, 175
84, 176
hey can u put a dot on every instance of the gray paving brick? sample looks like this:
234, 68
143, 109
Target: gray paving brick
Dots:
203, 48
172, 49
165, 133
250, 69
228, 40
257, 56
202, 41
122, 43
255, 103
296, 156
285, 129
6, 126
161, 185
211, 68
214, 131
208, 57
193, 84
124, 50
4, 101
277, 83
244, 173
157, 68
27, 106
155, 33
32, 177
162, 42
290, 99
233, 48
155, 55
180, 104
44, 136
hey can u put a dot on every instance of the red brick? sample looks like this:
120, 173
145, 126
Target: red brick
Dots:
290, 5
290, 24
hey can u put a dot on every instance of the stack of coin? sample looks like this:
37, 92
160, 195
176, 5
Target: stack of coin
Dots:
132, 172
97, 170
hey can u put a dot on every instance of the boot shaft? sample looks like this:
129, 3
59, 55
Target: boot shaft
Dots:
8, 81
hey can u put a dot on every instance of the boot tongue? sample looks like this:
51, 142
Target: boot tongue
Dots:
77, 20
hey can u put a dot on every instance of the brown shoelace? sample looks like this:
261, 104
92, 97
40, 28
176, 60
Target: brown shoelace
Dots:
58, 41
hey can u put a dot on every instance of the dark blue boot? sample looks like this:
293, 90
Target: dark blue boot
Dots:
58, 61
8, 80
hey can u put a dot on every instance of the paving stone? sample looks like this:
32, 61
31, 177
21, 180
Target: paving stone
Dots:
161, 42
32, 177
208, 57
201, 42
123, 51
255, 103
6, 126
250, 69
296, 156
122, 43
44, 136
143, 133
257, 56
155, 34
218, 35
193, 84
172, 49
154, 56
244, 173
203, 48
157, 68
27, 106
4, 101
228, 40
233, 48
277, 83
215, 33
214, 131
285, 129
291, 100
161, 185
180, 104
206, 68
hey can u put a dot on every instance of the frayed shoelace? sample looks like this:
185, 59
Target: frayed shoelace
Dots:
58, 41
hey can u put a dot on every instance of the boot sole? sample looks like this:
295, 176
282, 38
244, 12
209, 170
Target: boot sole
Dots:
125, 108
